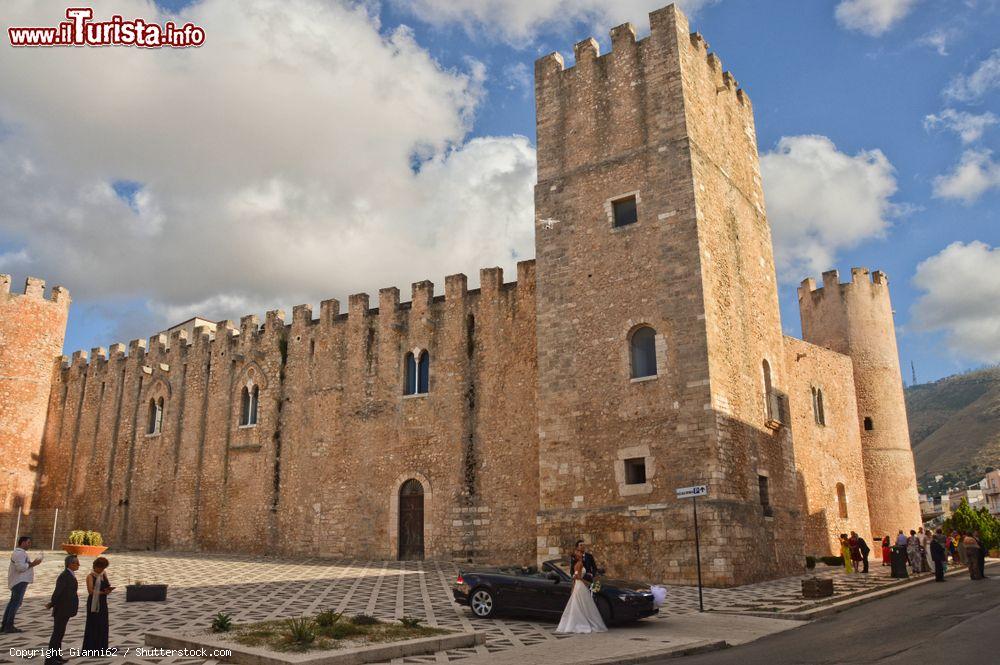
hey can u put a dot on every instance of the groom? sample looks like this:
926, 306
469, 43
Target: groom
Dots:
590, 570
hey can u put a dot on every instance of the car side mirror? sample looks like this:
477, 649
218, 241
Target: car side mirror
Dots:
554, 577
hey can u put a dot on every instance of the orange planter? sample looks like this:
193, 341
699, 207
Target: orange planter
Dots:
83, 550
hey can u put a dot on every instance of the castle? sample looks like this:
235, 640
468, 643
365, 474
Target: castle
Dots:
641, 351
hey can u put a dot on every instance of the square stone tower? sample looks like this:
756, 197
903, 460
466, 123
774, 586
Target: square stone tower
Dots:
650, 227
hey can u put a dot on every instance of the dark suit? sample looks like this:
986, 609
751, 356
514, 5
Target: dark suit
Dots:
65, 604
865, 551
940, 556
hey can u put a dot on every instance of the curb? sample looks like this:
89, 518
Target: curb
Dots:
705, 646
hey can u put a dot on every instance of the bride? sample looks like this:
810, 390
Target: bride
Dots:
581, 614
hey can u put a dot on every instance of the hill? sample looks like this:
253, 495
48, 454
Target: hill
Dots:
955, 423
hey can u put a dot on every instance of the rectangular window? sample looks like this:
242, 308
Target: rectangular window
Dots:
624, 211
869, 425
765, 494
635, 471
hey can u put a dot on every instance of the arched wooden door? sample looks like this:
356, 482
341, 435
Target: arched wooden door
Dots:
411, 521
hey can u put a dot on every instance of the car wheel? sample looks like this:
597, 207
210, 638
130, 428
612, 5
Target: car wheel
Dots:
605, 609
482, 603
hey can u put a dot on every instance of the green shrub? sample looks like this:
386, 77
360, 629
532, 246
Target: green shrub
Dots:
342, 630
76, 537
328, 618
832, 560
222, 623
364, 620
411, 622
93, 538
967, 520
301, 630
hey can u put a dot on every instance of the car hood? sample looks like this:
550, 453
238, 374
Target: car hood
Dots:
624, 585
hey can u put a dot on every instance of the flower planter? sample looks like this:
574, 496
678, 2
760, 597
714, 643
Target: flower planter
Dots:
145, 592
83, 550
817, 588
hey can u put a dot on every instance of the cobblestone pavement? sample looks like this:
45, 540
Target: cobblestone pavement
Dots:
257, 588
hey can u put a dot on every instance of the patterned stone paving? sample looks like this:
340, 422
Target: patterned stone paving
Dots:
258, 588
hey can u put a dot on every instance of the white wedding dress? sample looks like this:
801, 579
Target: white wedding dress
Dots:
581, 614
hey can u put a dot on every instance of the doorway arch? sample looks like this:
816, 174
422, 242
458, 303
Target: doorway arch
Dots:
411, 521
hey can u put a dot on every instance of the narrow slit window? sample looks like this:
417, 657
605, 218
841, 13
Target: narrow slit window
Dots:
763, 486
423, 373
869, 425
410, 375
635, 471
625, 211
842, 500
155, 424
818, 412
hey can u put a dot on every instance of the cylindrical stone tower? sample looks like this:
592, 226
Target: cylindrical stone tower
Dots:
856, 319
31, 338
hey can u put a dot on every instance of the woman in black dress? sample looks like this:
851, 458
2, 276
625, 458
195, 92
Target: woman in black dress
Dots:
95, 635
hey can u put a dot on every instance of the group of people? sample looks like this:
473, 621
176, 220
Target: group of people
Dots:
965, 549
64, 602
855, 550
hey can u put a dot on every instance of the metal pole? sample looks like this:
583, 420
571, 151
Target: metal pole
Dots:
55, 522
17, 528
697, 553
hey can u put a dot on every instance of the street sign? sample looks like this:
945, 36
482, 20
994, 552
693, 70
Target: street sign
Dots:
690, 492
693, 493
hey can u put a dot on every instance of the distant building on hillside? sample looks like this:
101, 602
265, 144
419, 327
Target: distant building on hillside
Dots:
990, 486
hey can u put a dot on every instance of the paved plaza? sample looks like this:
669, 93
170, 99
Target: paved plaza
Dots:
256, 589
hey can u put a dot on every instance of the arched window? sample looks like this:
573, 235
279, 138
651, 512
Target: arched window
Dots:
842, 500
416, 379
423, 373
768, 389
818, 413
642, 349
155, 420
249, 399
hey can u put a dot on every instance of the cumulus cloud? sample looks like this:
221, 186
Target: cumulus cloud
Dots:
872, 17
959, 284
821, 201
976, 173
969, 126
301, 153
518, 22
972, 87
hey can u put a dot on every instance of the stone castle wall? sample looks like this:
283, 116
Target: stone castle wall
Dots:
31, 335
335, 439
828, 454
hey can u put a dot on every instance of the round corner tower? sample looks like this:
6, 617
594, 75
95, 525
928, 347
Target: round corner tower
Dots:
856, 319
32, 329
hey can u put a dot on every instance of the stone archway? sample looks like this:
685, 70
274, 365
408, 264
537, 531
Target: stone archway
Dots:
397, 501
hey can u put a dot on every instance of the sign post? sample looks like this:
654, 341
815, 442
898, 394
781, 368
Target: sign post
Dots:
693, 493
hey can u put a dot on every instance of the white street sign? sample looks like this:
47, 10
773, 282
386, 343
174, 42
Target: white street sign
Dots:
689, 492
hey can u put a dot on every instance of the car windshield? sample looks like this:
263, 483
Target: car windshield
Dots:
562, 566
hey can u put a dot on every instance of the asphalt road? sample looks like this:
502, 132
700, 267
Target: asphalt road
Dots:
956, 621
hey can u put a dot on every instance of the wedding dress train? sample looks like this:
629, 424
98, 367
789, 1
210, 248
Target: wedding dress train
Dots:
581, 614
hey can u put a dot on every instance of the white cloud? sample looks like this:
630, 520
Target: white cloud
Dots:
821, 201
959, 283
969, 126
975, 174
519, 21
937, 40
985, 78
872, 17
275, 162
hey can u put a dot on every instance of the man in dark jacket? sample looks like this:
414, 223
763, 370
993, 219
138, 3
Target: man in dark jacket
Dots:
865, 550
939, 555
64, 604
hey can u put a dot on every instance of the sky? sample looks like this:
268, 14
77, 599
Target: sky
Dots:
316, 148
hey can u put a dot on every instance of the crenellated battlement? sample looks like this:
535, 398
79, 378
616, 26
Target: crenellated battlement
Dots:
251, 333
35, 288
861, 278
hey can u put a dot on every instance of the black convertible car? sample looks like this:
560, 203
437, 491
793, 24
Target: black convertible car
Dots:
546, 592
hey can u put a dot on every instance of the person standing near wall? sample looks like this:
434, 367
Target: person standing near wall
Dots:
939, 555
20, 574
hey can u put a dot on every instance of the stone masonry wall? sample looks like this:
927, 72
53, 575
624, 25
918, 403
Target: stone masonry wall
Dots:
856, 319
31, 337
827, 455
335, 439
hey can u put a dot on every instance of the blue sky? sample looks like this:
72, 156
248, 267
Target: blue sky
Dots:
867, 80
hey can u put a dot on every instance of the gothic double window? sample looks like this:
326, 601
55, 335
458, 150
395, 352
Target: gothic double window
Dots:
248, 405
416, 380
154, 422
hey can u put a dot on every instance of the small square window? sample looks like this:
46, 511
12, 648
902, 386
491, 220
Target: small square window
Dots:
624, 211
635, 471
869, 425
